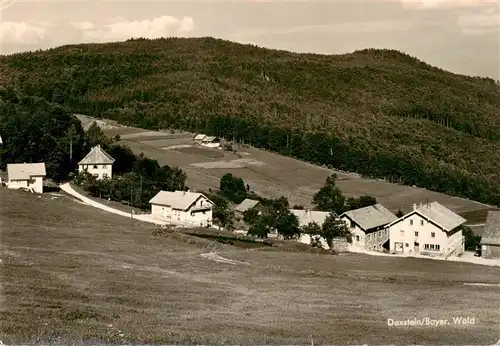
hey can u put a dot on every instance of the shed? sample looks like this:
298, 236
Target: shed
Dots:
490, 242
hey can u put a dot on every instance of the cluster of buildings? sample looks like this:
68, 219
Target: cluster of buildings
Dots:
428, 229
207, 141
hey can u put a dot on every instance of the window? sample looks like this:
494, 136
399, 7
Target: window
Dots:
436, 247
406, 245
411, 222
357, 238
421, 222
416, 234
95, 166
369, 236
433, 235
353, 224
432, 247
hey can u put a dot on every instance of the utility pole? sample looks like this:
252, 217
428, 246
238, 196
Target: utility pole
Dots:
71, 145
131, 210
140, 191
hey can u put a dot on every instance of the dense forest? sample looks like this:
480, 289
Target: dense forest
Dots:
380, 113
34, 130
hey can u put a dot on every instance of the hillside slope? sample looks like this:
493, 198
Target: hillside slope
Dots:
380, 113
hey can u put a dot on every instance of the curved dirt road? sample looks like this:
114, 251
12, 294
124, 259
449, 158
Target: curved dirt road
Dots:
145, 218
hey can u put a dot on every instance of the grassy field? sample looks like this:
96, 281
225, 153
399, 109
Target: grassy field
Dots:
272, 175
72, 274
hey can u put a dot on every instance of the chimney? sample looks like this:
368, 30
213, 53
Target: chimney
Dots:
414, 206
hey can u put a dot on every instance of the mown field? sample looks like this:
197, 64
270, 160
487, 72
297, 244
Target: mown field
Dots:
72, 274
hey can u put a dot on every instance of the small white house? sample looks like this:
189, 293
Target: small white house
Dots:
368, 227
199, 138
210, 142
98, 163
182, 208
26, 176
306, 216
431, 229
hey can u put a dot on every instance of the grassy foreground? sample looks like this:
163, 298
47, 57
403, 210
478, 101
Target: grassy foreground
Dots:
71, 274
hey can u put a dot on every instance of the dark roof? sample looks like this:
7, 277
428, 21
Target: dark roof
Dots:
491, 235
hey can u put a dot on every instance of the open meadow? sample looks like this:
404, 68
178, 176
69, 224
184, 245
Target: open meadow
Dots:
273, 175
73, 274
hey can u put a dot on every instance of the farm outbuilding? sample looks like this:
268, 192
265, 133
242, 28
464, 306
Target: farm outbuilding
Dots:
368, 227
490, 242
26, 176
247, 204
306, 216
199, 138
211, 142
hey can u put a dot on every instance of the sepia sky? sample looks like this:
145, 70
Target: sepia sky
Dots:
462, 36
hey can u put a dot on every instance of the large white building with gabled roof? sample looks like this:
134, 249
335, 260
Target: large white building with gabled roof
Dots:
182, 208
98, 163
431, 229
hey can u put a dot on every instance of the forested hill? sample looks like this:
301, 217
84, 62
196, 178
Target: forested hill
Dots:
381, 113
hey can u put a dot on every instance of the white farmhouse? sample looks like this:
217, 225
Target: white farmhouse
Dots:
431, 229
26, 176
182, 208
210, 142
368, 227
306, 216
98, 163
